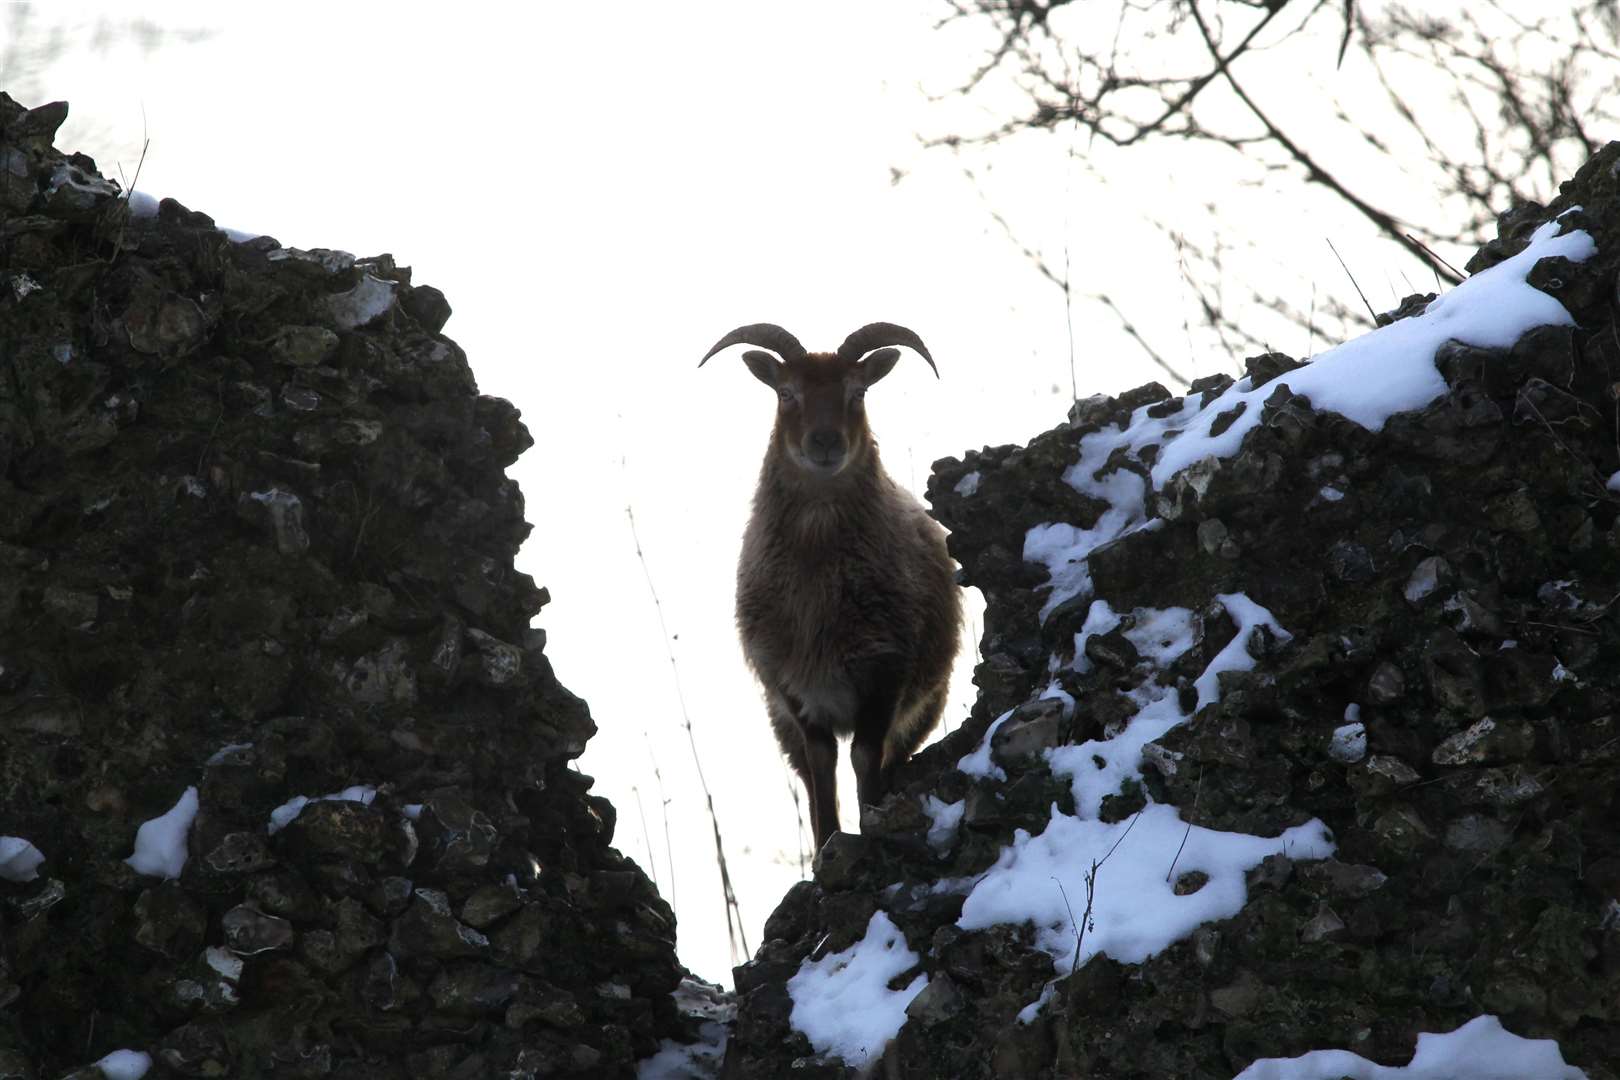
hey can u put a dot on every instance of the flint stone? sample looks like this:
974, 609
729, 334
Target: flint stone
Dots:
355, 930
170, 325
1487, 741
839, 860
456, 836
1386, 685
195, 1050
428, 307
429, 930
489, 904
1323, 925
1428, 577
369, 300
170, 922
337, 829
304, 346
239, 853
1474, 834
1029, 732
249, 931
473, 989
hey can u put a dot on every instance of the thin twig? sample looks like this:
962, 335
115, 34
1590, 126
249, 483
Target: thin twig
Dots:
1075, 963
734, 925
1435, 258
663, 800
1353, 281
646, 838
1068, 281
1197, 791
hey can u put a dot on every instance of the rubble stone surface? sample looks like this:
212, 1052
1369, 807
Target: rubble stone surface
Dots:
256, 537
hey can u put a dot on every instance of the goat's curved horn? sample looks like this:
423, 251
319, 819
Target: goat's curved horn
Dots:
765, 335
876, 336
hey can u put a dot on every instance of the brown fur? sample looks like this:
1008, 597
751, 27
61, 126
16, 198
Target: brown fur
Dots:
847, 603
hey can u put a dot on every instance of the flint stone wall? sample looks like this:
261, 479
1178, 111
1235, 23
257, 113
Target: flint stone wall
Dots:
1463, 591
256, 538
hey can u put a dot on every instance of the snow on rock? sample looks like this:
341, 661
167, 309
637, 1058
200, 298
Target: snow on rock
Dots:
1481, 1049
842, 1002
1372, 377
945, 817
223, 754
1249, 617
1136, 911
1040, 879
19, 859
125, 1065
1367, 379
713, 1009
978, 762
1098, 767
160, 844
1349, 743
288, 812
364, 303
1228, 592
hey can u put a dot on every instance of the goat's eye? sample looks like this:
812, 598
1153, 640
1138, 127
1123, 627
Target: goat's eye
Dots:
785, 395
857, 394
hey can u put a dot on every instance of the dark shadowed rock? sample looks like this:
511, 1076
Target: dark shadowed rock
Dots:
1443, 697
256, 537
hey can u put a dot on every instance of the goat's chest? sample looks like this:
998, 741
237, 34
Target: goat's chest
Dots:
821, 609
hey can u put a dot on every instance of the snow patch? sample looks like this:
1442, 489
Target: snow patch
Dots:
945, 817
978, 763
698, 1060
288, 812
218, 756
160, 844
1349, 743
1135, 910
19, 859
125, 1065
842, 1002
1481, 1049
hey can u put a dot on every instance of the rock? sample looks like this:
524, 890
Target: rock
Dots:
273, 463
428, 929
1486, 741
249, 931
428, 307
489, 904
304, 346
839, 860
1441, 661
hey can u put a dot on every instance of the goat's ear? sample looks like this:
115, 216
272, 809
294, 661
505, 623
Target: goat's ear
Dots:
766, 368
876, 366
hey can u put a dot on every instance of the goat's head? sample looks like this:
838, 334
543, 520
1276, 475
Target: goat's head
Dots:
820, 415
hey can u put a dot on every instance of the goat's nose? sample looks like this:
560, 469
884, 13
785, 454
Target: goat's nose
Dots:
826, 442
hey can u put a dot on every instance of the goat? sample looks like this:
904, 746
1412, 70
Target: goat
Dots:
847, 605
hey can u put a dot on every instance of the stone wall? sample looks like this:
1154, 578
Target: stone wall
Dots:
1454, 577
256, 539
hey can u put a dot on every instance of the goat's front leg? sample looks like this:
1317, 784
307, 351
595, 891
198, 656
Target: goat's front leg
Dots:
874, 717
812, 750
820, 773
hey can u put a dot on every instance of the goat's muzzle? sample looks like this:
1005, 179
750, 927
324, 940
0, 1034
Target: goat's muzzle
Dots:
825, 450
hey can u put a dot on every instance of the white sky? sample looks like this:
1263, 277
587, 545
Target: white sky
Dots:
601, 192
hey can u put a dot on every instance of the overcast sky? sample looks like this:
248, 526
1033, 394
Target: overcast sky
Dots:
601, 192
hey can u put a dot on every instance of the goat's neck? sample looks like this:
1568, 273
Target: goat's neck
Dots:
820, 511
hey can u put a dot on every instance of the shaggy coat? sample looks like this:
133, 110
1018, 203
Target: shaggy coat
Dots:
849, 615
